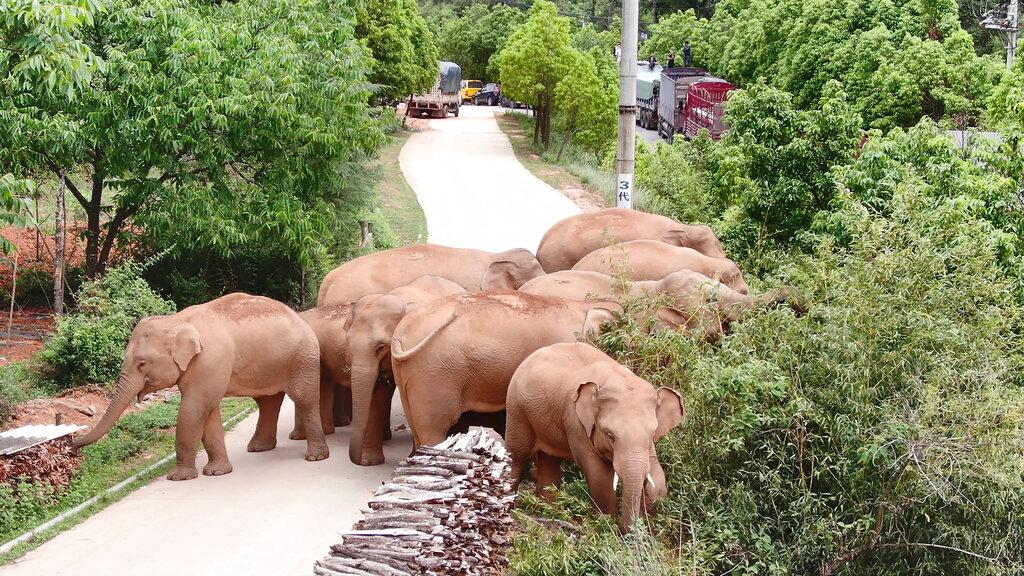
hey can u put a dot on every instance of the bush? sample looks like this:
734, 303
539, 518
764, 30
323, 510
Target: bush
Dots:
882, 432
88, 345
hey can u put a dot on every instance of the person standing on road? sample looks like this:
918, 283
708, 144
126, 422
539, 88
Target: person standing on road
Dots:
672, 58
687, 54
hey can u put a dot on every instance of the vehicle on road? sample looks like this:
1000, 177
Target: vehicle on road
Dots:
469, 89
691, 100
647, 81
443, 99
489, 95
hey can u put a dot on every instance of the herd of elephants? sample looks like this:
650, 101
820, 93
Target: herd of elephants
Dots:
458, 332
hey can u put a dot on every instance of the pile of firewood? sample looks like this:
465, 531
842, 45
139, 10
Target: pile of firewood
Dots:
445, 510
52, 462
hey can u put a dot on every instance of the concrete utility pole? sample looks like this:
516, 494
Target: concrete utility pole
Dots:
1011, 45
627, 103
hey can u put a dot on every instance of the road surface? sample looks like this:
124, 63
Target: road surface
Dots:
276, 513
474, 192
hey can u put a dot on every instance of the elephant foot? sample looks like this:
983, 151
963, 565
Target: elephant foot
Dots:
329, 430
217, 468
183, 473
370, 459
261, 444
342, 421
296, 434
315, 453
387, 433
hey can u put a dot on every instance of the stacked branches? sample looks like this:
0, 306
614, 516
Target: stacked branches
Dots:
445, 510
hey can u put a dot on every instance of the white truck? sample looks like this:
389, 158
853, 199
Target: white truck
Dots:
442, 99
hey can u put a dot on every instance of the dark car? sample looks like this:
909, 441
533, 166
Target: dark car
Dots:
490, 95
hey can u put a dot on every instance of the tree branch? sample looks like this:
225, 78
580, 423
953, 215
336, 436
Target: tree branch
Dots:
67, 181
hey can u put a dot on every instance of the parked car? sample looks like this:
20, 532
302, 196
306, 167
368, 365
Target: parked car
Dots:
490, 95
469, 89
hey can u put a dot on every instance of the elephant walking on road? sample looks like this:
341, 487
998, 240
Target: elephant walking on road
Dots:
572, 401
458, 354
374, 319
236, 345
569, 240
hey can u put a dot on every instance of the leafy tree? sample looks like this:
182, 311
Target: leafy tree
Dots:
473, 39
588, 38
672, 32
588, 97
213, 124
402, 46
536, 58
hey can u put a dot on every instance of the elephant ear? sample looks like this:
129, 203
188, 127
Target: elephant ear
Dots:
185, 344
594, 319
671, 410
677, 237
499, 276
585, 400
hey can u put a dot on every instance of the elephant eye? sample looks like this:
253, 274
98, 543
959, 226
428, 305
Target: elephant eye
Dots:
609, 435
142, 363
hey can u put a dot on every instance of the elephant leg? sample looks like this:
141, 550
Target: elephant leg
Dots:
216, 452
378, 420
341, 405
192, 416
386, 410
549, 475
519, 439
304, 390
432, 410
265, 437
599, 475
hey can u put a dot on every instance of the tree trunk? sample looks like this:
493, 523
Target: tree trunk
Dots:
59, 234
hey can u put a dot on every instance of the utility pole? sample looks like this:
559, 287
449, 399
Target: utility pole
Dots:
1011, 45
627, 103
1005, 18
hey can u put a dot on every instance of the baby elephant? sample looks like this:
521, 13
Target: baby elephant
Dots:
573, 401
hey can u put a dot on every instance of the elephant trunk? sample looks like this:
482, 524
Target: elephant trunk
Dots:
125, 393
634, 468
363, 447
785, 295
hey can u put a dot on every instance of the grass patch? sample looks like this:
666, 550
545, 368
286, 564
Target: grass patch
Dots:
138, 440
574, 172
399, 206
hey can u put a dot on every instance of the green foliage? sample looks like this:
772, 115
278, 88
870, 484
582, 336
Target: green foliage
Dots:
88, 345
212, 125
535, 59
402, 46
473, 39
672, 32
897, 62
15, 207
588, 98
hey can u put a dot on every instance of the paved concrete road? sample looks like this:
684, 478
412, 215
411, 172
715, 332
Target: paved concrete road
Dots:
275, 514
474, 192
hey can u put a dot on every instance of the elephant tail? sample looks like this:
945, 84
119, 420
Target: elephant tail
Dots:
397, 353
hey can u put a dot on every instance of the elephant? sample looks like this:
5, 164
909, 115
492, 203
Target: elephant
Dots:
236, 345
694, 300
572, 401
328, 323
373, 323
569, 240
653, 260
458, 354
381, 272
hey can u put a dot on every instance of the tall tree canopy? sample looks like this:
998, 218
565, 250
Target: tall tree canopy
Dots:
403, 48
473, 39
219, 124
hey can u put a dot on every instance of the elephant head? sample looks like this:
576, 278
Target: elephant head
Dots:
374, 318
158, 352
700, 238
624, 418
511, 269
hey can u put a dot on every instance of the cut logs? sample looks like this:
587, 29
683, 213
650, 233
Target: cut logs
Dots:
445, 510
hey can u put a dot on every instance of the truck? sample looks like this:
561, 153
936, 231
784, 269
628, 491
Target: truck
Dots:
689, 100
442, 99
647, 81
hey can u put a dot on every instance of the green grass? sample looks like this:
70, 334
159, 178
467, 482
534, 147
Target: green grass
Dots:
574, 171
138, 440
399, 206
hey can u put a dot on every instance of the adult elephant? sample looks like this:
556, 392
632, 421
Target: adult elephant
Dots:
329, 324
653, 260
569, 240
458, 354
236, 345
381, 272
369, 334
572, 401
694, 300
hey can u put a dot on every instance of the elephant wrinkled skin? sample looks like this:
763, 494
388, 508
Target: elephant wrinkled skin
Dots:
572, 401
381, 272
373, 324
458, 354
569, 240
329, 324
236, 345
653, 260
